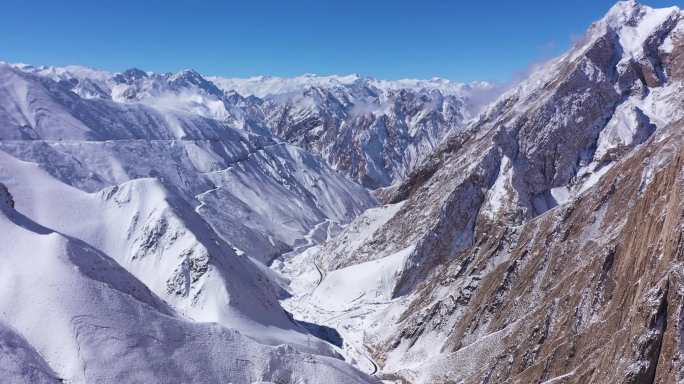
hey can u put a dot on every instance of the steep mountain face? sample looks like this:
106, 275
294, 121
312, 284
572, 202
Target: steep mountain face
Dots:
543, 242
373, 131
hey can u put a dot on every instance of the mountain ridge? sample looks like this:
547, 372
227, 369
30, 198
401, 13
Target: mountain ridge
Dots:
389, 125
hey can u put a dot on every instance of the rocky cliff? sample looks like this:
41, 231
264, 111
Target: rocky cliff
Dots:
543, 242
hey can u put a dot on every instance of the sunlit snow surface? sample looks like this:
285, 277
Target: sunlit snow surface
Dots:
94, 322
351, 300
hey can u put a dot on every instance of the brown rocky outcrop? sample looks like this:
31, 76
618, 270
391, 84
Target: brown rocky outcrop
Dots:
591, 293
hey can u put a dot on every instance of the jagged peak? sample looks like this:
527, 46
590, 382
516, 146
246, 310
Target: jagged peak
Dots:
624, 8
187, 74
135, 72
634, 23
631, 13
130, 75
190, 77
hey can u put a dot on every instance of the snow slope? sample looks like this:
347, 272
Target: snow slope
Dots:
92, 321
164, 207
20, 363
165, 244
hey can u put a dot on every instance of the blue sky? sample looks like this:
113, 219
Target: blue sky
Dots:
459, 40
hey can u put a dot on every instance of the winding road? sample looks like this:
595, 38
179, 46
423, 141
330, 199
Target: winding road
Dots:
303, 307
359, 350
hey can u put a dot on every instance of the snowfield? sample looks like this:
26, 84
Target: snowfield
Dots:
93, 321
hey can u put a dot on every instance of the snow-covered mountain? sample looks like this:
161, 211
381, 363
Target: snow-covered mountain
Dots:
193, 190
71, 313
176, 228
264, 86
155, 222
542, 243
375, 131
93, 143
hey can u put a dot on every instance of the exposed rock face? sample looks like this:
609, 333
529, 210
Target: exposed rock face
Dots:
537, 139
377, 136
6, 199
587, 292
548, 234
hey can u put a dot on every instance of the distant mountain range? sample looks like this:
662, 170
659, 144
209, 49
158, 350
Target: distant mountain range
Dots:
375, 131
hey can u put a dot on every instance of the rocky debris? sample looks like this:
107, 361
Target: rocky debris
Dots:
195, 263
6, 199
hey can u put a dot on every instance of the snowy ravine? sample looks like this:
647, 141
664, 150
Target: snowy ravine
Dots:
132, 226
342, 300
188, 191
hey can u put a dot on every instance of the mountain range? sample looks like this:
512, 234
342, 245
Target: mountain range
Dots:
172, 227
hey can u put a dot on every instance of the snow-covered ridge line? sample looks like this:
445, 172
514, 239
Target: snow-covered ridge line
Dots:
389, 125
262, 86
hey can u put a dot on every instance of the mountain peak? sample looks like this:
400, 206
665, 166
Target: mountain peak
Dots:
190, 77
635, 23
631, 13
187, 76
187, 73
626, 12
130, 76
624, 6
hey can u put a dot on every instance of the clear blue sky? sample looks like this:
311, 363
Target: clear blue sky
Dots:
460, 40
